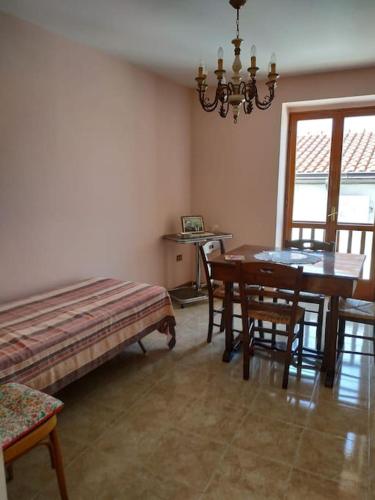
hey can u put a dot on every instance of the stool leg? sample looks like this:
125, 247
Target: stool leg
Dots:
9, 472
58, 464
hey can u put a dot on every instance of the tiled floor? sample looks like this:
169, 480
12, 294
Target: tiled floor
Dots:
183, 425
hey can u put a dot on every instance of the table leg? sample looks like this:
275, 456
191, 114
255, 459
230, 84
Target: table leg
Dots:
197, 268
228, 322
329, 360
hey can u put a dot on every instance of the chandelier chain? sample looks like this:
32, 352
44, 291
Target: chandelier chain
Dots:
238, 23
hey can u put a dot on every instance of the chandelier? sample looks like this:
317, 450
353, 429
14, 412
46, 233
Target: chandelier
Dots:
237, 92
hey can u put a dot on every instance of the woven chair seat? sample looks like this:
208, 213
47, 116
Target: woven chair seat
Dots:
353, 309
219, 292
303, 296
274, 313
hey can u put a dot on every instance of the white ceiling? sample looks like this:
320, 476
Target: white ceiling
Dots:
170, 36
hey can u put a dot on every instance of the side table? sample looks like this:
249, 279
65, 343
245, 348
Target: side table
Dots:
195, 293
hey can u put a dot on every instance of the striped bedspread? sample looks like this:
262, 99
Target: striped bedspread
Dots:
49, 340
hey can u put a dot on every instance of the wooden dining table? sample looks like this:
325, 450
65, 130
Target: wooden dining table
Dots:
335, 276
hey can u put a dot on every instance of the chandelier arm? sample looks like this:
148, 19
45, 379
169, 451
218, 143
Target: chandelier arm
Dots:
205, 102
267, 101
248, 106
227, 90
243, 90
224, 108
251, 90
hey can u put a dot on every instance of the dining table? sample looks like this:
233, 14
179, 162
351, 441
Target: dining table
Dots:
334, 275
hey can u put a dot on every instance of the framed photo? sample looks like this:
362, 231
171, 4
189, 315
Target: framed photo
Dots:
192, 223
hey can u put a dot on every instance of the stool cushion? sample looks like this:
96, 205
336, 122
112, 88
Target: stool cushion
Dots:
357, 309
22, 409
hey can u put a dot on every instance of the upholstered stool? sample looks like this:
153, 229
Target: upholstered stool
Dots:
27, 419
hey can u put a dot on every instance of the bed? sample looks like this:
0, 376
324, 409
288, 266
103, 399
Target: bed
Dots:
49, 340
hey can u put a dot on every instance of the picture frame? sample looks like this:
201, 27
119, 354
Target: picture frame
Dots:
192, 223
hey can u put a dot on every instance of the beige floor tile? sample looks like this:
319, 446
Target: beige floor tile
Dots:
95, 475
187, 458
282, 405
134, 436
307, 486
268, 438
84, 423
269, 374
334, 457
350, 391
242, 475
215, 418
338, 419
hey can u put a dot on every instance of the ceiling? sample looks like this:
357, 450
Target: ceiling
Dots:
171, 36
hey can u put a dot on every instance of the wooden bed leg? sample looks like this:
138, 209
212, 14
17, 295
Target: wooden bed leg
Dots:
140, 343
172, 331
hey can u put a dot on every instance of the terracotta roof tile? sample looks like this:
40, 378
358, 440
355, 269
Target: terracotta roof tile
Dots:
313, 153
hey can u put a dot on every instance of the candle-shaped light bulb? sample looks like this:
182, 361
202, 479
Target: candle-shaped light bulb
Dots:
201, 68
253, 54
272, 65
220, 57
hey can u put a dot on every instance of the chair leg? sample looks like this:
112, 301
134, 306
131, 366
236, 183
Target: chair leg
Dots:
59, 467
273, 342
260, 322
222, 322
341, 336
300, 340
319, 328
287, 358
260, 326
246, 346
210, 319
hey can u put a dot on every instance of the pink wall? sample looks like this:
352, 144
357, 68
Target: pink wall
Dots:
99, 158
94, 165
235, 167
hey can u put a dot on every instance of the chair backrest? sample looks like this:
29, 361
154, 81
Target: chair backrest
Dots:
269, 274
208, 248
310, 245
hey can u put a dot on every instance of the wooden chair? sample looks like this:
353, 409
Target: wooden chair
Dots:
28, 418
313, 298
356, 311
270, 275
217, 291
213, 291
